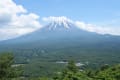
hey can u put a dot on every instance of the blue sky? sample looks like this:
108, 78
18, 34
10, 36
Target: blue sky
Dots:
92, 11
19, 17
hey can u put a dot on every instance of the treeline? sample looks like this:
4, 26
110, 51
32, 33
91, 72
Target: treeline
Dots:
9, 71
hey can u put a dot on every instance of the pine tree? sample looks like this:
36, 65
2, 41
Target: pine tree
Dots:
6, 70
72, 67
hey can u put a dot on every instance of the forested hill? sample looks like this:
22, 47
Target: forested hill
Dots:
71, 72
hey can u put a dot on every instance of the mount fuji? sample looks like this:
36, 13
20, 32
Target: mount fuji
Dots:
61, 33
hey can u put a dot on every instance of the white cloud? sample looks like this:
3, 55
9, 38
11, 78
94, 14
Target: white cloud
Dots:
98, 29
15, 20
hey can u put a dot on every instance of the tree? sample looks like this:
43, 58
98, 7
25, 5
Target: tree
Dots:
6, 70
71, 72
72, 67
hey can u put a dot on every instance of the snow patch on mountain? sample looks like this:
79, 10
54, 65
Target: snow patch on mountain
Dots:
58, 21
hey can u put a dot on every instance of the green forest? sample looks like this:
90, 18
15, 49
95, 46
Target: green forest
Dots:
10, 71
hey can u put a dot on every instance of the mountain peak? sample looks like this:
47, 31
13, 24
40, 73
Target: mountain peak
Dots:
56, 22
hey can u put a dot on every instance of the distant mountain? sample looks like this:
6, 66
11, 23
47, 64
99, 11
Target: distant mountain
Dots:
60, 33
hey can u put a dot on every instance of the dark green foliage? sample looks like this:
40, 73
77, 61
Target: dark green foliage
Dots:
111, 73
72, 67
71, 72
106, 72
104, 67
7, 70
